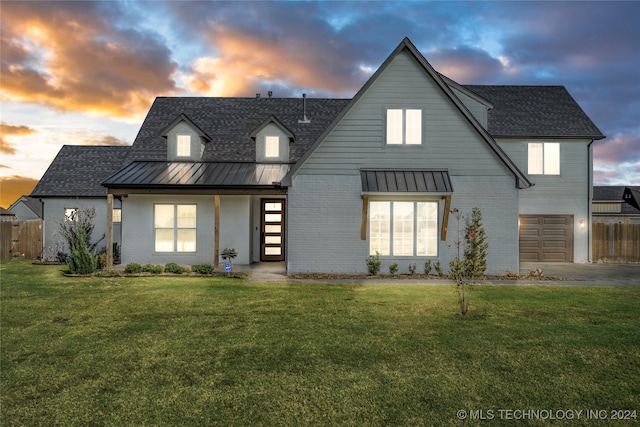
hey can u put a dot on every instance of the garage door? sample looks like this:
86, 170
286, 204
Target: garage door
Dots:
547, 238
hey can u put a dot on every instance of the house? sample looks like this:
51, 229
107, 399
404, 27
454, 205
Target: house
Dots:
26, 208
6, 215
616, 204
322, 184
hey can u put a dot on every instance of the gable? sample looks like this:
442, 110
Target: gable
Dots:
453, 138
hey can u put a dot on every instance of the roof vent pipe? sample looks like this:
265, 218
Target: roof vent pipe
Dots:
304, 110
257, 95
270, 93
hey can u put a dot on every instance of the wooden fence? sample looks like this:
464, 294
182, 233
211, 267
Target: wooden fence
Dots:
20, 239
616, 243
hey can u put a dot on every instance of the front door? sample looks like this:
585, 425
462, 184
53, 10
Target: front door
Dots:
272, 247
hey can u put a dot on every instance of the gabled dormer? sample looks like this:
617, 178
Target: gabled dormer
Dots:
272, 139
185, 140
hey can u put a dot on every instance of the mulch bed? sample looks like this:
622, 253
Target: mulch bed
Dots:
335, 276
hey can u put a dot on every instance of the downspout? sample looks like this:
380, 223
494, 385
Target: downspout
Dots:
589, 200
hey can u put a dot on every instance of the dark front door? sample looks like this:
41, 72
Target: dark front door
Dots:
272, 247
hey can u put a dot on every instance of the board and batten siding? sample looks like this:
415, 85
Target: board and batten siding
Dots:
564, 194
449, 140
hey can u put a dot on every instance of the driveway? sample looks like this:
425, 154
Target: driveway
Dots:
589, 274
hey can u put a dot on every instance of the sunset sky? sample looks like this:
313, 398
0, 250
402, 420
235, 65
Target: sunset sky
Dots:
86, 73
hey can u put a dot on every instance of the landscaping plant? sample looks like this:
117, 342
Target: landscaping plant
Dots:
82, 260
393, 268
373, 264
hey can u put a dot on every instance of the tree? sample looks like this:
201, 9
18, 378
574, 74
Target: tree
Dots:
475, 251
82, 221
82, 260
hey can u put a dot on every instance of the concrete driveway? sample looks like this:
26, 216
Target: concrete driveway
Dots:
589, 274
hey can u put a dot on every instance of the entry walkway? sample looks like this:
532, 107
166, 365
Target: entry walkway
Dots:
571, 275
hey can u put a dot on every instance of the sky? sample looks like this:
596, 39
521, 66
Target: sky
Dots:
86, 73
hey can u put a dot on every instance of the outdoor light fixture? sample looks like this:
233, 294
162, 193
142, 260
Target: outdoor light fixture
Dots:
582, 224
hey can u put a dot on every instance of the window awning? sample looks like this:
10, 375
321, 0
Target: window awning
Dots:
435, 182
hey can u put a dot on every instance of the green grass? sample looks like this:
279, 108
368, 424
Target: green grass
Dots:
154, 351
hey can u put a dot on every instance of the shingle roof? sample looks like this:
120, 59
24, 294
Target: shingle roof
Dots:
32, 203
535, 111
230, 121
78, 171
616, 193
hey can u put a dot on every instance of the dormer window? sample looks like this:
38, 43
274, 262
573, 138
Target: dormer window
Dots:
183, 146
272, 146
272, 139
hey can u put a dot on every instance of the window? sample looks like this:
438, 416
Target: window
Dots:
272, 146
71, 214
175, 228
404, 126
117, 215
184, 146
544, 158
403, 228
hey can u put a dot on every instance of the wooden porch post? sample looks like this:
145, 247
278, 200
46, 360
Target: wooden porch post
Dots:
216, 232
109, 231
365, 214
445, 218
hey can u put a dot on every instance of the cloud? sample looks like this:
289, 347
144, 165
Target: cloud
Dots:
104, 140
13, 187
7, 147
616, 160
466, 64
81, 56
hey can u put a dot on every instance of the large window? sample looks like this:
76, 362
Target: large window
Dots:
272, 146
184, 146
175, 228
403, 228
544, 158
404, 126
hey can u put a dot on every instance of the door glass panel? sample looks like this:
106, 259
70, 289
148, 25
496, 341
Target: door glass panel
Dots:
269, 228
275, 206
272, 251
272, 240
272, 217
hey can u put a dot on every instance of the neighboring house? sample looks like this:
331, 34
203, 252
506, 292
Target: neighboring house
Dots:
73, 181
6, 215
616, 204
322, 184
26, 208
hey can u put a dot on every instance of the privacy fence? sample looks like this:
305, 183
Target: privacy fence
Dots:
616, 243
20, 239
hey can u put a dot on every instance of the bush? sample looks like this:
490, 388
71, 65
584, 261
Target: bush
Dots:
202, 268
438, 268
174, 268
373, 264
427, 267
102, 260
393, 268
133, 268
82, 261
412, 269
153, 269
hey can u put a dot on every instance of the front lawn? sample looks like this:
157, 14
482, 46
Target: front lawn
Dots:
154, 351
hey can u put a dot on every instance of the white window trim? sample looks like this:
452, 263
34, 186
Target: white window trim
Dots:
547, 164
404, 128
392, 229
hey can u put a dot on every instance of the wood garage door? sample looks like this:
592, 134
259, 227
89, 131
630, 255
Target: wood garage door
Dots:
547, 238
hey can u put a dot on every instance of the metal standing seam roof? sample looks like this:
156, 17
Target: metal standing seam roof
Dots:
406, 181
198, 175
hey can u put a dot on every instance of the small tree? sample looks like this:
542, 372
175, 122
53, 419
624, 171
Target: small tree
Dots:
83, 220
465, 271
229, 254
475, 251
82, 260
